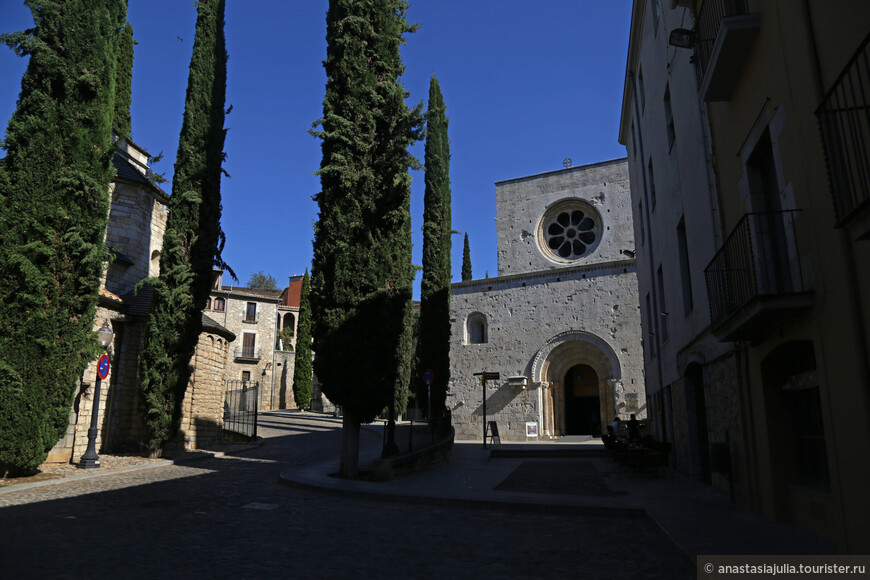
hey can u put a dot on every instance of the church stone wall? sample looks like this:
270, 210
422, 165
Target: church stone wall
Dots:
522, 203
522, 314
563, 308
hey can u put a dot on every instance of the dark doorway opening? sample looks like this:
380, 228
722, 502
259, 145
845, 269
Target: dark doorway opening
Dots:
582, 401
698, 418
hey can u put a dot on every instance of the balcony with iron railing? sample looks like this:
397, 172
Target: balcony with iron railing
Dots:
248, 353
725, 31
755, 282
844, 121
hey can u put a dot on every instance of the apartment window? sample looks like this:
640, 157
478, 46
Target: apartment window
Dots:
669, 119
633, 141
246, 376
640, 221
685, 271
641, 90
219, 304
650, 327
652, 184
251, 312
657, 14
663, 305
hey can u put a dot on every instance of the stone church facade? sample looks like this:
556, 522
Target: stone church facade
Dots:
561, 322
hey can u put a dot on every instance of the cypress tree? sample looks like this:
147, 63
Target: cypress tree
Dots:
362, 275
303, 370
434, 337
124, 82
54, 204
466, 260
193, 238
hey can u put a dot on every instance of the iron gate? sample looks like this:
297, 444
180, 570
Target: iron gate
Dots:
240, 410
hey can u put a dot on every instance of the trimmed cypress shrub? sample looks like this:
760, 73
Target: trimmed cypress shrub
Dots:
362, 272
54, 204
124, 82
193, 238
434, 337
466, 260
303, 370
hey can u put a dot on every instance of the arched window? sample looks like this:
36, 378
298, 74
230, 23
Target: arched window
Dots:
290, 324
475, 329
208, 303
219, 304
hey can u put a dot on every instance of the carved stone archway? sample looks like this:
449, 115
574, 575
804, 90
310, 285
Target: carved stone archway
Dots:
553, 361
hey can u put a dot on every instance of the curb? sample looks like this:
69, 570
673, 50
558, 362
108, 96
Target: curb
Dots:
100, 473
509, 503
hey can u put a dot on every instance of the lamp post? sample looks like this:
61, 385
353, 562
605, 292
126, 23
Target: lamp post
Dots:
90, 459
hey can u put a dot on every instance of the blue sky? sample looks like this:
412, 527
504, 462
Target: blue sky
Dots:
526, 84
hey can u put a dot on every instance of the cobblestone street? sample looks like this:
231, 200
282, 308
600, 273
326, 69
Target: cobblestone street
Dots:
230, 517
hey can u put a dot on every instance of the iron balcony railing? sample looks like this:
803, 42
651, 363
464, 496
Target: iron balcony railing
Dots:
844, 121
248, 352
755, 261
240, 410
710, 16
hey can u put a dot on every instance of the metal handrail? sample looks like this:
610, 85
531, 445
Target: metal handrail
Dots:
755, 260
710, 16
844, 123
248, 352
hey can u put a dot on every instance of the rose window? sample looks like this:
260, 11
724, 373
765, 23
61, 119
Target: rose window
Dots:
570, 233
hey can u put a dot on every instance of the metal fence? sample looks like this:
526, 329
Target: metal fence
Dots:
240, 410
710, 16
844, 120
754, 261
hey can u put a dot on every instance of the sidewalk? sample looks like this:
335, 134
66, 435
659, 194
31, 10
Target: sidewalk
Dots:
53, 473
577, 479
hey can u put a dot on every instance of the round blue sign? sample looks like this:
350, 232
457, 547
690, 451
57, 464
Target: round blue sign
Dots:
428, 376
103, 366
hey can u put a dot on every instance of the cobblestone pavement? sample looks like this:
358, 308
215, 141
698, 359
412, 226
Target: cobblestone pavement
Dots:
231, 518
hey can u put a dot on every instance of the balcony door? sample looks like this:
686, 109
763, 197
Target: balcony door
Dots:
248, 343
767, 226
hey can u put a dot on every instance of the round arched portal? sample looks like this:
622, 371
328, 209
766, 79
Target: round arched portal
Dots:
578, 371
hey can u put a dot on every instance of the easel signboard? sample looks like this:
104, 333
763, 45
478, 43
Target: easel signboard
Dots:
531, 430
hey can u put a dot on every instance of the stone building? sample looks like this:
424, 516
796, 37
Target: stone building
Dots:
256, 317
134, 237
783, 91
560, 323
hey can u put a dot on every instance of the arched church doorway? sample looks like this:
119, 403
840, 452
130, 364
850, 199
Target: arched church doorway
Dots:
582, 401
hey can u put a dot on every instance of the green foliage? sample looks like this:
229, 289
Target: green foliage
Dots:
262, 281
54, 203
303, 373
433, 344
362, 273
193, 239
466, 260
124, 81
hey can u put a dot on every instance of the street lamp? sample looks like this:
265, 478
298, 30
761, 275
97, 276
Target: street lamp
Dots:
90, 460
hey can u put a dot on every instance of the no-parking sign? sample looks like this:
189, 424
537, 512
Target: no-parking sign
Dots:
103, 366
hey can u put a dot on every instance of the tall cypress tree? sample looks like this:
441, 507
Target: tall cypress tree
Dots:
303, 368
191, 243
466, 260
54, 203
362, 274
434, 338
124, 82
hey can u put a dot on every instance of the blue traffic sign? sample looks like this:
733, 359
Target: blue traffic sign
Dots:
103, 366
428, 376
